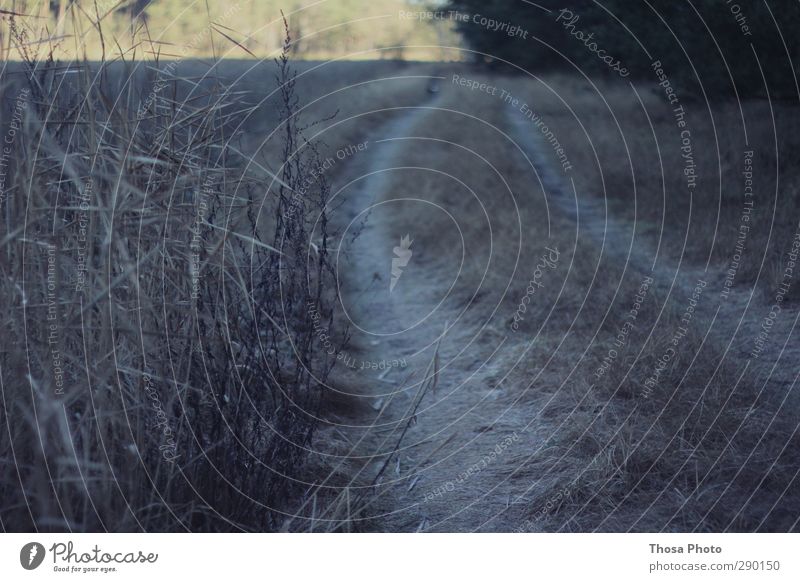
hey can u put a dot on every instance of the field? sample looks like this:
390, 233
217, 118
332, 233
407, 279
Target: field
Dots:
389, 295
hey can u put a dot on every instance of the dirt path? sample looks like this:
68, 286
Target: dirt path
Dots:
425, 357
406, 319
735, 319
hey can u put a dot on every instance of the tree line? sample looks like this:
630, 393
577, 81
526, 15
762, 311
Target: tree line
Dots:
711, 47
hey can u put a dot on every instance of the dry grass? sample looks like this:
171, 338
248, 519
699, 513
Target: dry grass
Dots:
708, 448
236, 370
626, 147
160, 370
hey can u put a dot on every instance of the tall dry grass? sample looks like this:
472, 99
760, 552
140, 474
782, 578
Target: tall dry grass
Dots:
159, 370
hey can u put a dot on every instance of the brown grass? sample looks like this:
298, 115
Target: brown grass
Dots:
708, 448
625, 146
711, 447
160, 371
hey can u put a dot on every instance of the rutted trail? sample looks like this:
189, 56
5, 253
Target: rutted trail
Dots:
413, 305
738, 317
443, 224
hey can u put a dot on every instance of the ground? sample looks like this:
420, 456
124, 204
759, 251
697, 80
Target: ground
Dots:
482, 390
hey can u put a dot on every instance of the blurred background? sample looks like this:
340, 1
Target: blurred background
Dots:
350, 29
705, 39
